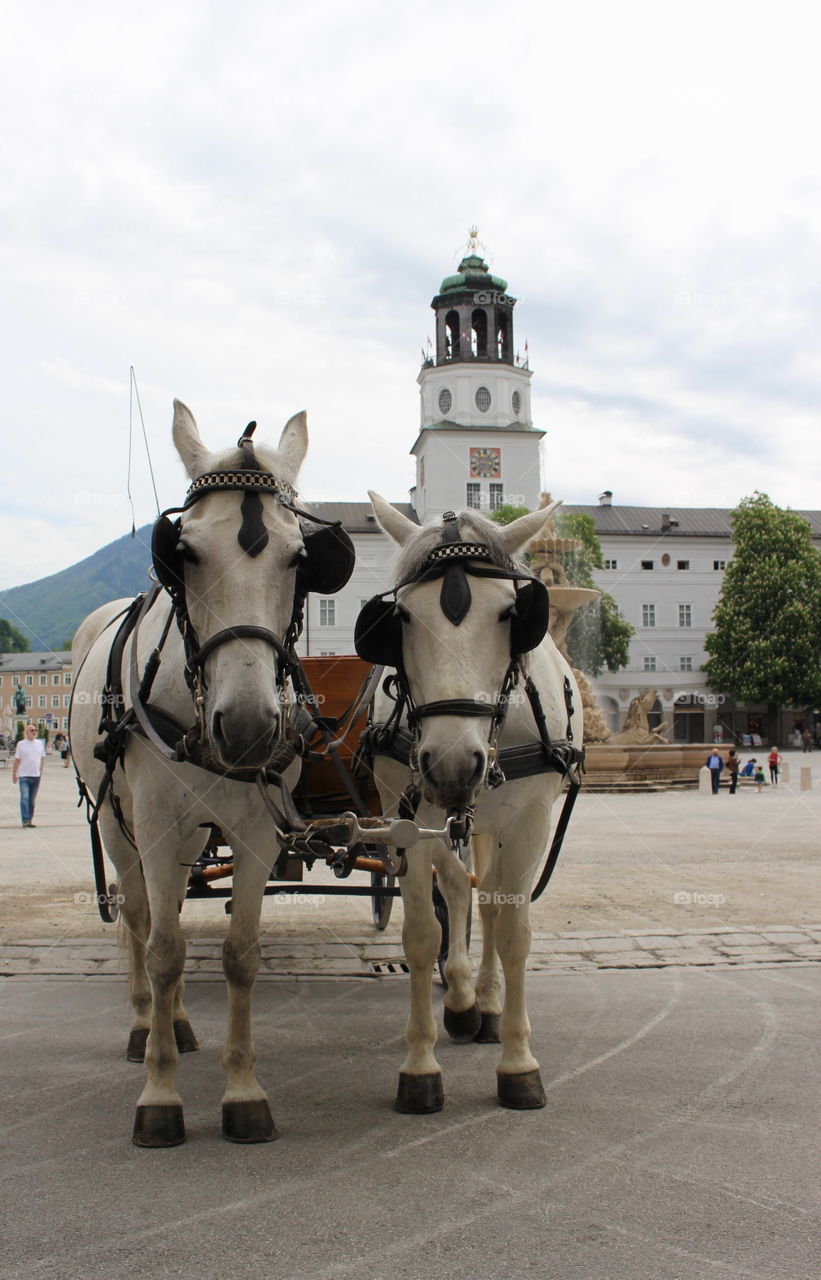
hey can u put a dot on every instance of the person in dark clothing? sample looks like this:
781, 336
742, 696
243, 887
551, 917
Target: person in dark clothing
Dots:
715, 764
732, 769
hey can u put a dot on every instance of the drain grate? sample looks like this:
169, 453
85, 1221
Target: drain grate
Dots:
389, 968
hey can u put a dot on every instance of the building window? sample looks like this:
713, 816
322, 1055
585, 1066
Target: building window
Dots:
66, 699
445, 400
647, 564
327, 613
474, 495
29, 701
67, 678
43, 680
649, 664
55, 679
719, 564
685, 615
482, 399
516, 401
611, 564
29, 681
327, 653
41, 701
648, 615
685, 664
683, 564
497, 494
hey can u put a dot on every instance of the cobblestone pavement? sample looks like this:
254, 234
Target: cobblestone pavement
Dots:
572, 952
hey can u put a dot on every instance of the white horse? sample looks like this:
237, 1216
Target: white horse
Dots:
464, 618
232, 565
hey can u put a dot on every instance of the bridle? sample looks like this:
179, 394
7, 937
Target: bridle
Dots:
378, 638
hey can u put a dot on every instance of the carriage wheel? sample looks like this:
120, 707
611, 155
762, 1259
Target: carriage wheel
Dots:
381, 903
440, 908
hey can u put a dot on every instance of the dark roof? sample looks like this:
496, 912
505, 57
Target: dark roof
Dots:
693, 522
356, 517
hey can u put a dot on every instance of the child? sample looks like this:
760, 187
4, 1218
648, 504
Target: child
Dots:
758, 777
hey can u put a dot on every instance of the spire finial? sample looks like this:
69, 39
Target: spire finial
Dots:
473, 239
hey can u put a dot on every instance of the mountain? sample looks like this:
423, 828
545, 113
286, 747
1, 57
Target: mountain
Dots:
49, 611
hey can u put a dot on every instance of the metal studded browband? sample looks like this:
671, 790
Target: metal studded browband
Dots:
247, 480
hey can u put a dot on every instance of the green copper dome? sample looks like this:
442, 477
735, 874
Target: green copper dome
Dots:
472, 274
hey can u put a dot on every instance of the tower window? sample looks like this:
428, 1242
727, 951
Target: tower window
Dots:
445, 400
482, 399
503, 337
452, 344
327, 613
497, 496
478, 333
516, 401
474, 496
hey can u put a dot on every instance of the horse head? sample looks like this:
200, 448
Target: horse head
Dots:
464, 613
233, 558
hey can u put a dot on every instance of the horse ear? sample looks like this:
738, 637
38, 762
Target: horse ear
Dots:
293, 443
516, 535
396, 526
187, 440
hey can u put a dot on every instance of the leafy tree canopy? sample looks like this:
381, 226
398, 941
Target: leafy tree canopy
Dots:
766, 646
12, 640
598, 636
506, 514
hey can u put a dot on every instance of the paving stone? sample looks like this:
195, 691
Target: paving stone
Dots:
784, 935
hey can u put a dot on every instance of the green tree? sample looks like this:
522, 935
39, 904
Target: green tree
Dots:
506, 514
766, 646
598, 636
12, 640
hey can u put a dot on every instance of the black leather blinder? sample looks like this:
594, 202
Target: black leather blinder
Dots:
328, 562
529, 617
165, 553
378, 633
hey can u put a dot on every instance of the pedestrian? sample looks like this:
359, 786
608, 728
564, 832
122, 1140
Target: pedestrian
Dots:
715, 764
28, 768
774, 760
806, 739
733, 763
749, 768
758, 777
61, 743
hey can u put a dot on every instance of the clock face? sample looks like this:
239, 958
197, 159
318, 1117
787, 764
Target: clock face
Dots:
485, 462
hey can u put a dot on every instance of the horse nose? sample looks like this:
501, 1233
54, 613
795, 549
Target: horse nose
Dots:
244, 740
451, 783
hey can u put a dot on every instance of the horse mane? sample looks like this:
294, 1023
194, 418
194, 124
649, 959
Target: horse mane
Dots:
267, 457
473, 527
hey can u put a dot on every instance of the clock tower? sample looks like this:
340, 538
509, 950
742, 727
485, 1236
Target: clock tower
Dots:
477, 446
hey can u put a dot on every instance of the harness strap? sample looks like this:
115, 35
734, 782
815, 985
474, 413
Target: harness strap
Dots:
452, 707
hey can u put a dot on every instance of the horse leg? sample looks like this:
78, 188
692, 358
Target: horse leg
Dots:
488, 981
420, 1077
159, 1120
519, 1083
184, 1036
246, 1115
134, 923
462, 1017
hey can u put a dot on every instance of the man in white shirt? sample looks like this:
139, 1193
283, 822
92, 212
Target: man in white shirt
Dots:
28, 768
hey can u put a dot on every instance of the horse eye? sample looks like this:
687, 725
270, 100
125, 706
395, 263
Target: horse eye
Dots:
402, 613
298, 558
507, 613
188, 553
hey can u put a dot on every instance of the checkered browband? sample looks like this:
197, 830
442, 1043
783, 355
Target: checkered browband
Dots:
458, 551
255, 481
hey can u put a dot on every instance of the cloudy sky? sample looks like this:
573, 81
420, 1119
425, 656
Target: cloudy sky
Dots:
253, 203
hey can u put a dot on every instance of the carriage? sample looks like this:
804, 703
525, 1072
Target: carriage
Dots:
430, 762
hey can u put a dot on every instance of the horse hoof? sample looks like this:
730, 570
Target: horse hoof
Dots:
158, 1126
464, 1026
184, 1036
248, 1121
135, 1051
521, 1092
419, 1095
488, 1032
